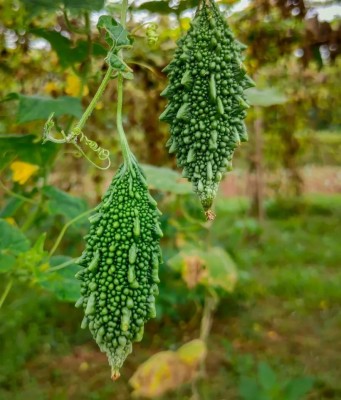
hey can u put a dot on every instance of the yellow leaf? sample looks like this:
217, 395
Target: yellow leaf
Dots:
22, 171
168, 370
212, 268
193, 271
73, 86
192, 353
156, 376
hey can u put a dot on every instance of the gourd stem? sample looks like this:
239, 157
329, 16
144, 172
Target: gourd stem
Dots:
80, 124
123, 140
120, 129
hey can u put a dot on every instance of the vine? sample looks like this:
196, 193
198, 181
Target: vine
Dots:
118, 38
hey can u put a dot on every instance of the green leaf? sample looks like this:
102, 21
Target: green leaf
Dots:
265, 97
297, 388
249, 389
12, 243
62, 283
116, 35
128, 75
89, 5
32, 108
33, 261
26, 148
185, 5
211, 268
11, 207
267, 377
62, 203
163, 7
68, 55
160, 7
166, 180
7, 262
35, 7
116, 63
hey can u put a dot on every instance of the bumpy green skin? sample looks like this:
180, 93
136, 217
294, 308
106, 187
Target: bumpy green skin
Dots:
206, 101
120, 266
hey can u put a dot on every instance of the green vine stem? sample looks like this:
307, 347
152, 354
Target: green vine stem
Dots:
62, 266
76, 132
66, 226
127, 155
33, 215
6, 291
18, 196
120, 129
80, 124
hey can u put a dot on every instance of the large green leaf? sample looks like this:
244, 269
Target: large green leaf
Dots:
89, 5
160, 7
62, 203
10, 207
265, 97
32, 263
298, 388
116, 35
62, 283
32, 108
249, 389
185, 5
267, 377
26, 148
213, 268
12, 243
166, 180
67, 54
35, 7
163, 7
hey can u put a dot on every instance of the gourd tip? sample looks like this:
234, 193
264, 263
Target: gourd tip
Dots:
115, 374
210, 216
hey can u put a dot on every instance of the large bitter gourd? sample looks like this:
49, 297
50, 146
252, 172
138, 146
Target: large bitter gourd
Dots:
120, 266
206, 101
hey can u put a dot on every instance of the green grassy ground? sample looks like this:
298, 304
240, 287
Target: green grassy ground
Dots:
285, 311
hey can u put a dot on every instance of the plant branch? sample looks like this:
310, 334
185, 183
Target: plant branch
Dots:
211, 303
80, 124
66, 226
6, 291
63, 265
18, 196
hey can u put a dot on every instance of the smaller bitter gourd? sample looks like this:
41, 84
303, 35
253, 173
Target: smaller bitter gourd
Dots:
206, 101
119, 274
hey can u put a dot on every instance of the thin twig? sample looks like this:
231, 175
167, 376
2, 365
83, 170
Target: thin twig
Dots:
6, 291
19, 196
66, 226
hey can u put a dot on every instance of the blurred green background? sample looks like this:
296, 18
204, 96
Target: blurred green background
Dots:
260, 286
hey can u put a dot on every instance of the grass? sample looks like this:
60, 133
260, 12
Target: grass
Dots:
285, 311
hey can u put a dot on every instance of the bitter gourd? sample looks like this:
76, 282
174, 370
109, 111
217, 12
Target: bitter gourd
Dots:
206, 101
119, 274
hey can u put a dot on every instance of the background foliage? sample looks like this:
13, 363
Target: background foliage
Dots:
248, 305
